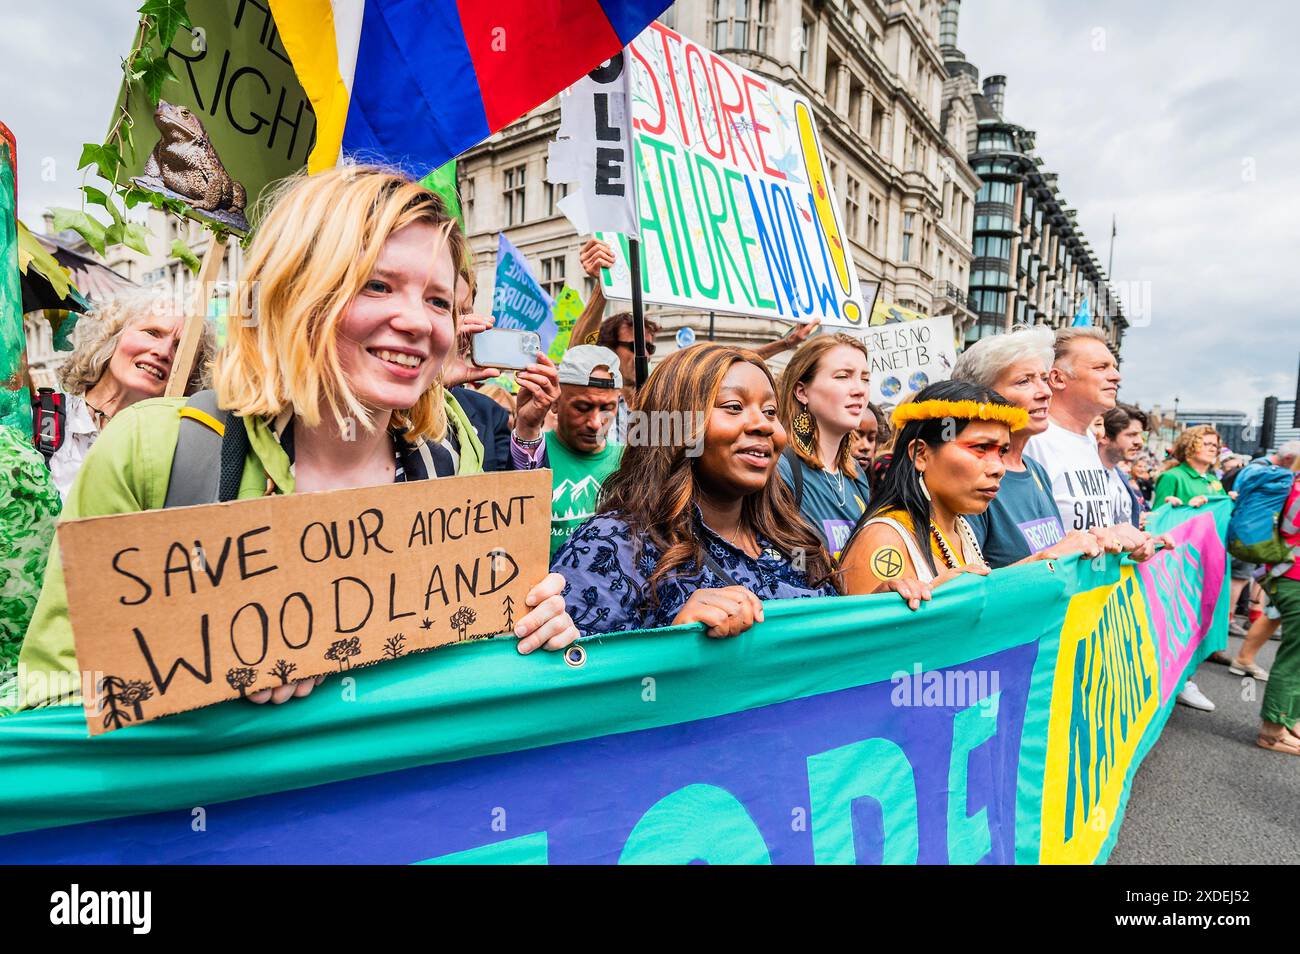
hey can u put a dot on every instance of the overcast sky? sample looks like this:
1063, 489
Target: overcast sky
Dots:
1179, 117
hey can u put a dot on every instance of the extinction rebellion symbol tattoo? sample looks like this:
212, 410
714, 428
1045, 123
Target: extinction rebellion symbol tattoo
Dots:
887, 562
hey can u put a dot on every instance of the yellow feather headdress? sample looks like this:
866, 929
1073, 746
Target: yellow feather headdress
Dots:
1014, 417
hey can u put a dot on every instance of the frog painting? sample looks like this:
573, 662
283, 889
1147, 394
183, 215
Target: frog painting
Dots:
184, 165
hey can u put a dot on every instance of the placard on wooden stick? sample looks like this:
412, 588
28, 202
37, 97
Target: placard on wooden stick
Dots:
187, 348
177, 609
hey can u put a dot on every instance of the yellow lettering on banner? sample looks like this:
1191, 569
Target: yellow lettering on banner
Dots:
1105, 692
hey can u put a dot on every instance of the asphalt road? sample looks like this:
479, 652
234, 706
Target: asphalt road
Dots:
1206, 794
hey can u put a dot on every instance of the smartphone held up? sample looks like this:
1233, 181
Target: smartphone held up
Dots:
505, 348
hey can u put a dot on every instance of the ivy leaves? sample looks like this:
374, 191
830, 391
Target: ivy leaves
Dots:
146, 70
182, 251
168, 16
106, 158
152, 70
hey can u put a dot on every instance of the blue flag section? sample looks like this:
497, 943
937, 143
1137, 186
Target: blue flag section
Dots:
518, 301
414, 85
1001, 723
1083, 316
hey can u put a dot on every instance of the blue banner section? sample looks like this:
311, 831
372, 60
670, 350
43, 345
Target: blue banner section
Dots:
1001, 722
919, 768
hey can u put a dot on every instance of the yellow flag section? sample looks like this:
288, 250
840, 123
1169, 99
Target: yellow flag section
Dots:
1104, 694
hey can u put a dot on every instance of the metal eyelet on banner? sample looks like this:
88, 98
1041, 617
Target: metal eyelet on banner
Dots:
575, 656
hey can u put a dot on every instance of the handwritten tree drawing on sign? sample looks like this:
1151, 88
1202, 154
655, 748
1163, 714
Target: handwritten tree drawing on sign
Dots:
185, 608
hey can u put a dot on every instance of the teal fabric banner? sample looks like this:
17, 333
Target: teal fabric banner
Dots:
1000, 723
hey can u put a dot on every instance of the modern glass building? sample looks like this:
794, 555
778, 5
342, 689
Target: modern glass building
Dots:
1031, 262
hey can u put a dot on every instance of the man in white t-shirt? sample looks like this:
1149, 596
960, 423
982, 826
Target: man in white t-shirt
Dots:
1085, 383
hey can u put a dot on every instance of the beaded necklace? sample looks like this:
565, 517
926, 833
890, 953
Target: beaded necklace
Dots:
969, 543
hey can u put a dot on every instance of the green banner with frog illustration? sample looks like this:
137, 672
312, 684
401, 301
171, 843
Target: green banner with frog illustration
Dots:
234, 119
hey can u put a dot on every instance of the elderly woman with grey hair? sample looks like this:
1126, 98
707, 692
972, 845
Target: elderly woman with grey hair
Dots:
1022, 523
122, 353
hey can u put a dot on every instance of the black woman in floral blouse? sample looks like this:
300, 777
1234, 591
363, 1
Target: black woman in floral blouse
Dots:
695, 530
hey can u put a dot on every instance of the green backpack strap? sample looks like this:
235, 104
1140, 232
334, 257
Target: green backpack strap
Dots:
196, 466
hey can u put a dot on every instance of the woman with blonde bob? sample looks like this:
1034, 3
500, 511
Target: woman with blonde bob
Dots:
822, 397
332, 372
122, 353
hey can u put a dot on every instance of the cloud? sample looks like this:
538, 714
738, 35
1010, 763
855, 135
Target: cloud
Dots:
61, 72
1172, 118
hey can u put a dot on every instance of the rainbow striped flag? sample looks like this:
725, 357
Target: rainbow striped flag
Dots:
414, 83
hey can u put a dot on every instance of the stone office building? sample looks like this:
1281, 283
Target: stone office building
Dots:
875, 75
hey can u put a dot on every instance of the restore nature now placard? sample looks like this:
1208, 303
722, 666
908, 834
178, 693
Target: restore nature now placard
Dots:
176, 609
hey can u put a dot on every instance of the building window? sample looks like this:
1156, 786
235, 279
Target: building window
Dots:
734, 22
993, 223
992, 246
554, 193
805, 44
763, 25
873, 221
852, 203
467, 203
515, 194
831, 85
877, 127
998, 279
855, 105
995, 142
909, 219
989, 302
553, 275
1004, 192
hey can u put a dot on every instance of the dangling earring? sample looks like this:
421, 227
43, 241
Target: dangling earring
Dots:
804, 427
925, 491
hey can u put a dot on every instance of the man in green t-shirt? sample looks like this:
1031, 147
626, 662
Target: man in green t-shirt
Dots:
578, 451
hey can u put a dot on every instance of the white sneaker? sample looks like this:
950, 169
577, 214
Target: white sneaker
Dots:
1193, 697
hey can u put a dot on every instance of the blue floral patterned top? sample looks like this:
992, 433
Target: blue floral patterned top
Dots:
607, 564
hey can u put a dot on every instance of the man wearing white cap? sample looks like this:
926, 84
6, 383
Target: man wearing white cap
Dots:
580, 454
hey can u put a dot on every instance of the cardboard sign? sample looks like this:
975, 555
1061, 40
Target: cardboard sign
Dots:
737, 209
908, 355
237, 120
177, 609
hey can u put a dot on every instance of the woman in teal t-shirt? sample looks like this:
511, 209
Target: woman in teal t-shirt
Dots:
1022, 523
822, 397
